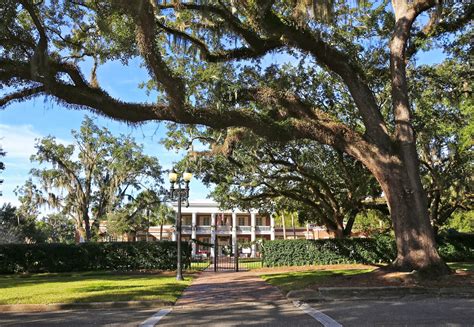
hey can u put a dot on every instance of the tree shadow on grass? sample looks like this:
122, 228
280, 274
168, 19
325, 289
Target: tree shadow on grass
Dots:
165, 292
9, 281
304, 279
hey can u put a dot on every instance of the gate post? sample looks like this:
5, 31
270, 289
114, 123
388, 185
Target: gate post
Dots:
236, 258
216, 253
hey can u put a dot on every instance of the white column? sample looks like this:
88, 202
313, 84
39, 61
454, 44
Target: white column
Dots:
234, 233
213, 232
272, 227
253, 221
173, 236
193, 233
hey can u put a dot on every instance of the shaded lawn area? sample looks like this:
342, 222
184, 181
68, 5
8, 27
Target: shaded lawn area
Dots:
90, 287
302, 279
463, 276
467, 266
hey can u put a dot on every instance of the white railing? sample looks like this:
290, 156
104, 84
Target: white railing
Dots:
223, 229
244, 229
186, 229
263, 228
203, 229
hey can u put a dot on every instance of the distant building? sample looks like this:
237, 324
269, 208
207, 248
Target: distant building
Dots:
204, 221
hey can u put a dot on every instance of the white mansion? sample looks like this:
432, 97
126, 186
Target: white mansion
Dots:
204, 221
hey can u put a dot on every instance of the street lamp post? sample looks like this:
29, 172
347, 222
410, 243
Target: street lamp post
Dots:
180, 195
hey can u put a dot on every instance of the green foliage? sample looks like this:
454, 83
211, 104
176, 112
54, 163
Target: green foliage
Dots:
381, 248
371, 220
319, 184
16, 227
107, 171
443, 117
15, 258
328, 251
57, 228
456, 246
461, 221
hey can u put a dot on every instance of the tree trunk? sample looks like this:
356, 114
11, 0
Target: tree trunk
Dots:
87, 227
161, 232
293, 224
283, 225
416, 246
350, 223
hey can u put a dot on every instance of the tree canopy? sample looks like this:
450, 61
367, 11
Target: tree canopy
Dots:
93, 181
347, 85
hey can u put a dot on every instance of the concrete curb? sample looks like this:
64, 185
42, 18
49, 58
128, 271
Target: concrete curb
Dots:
374, 293
91, 305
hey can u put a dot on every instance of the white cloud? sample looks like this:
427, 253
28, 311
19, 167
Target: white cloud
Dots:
18, 141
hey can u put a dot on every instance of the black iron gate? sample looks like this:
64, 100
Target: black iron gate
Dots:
224, 258
221, 257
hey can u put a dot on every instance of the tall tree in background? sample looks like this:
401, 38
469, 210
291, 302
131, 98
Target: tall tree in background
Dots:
164, 215
16, 227
205, 60
106, 170
9, 225
57, 228
444, 120
320, 184
145, 210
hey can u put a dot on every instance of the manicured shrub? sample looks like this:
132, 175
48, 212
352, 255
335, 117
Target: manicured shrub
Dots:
381, 248
456, 246
90, 256
328, 251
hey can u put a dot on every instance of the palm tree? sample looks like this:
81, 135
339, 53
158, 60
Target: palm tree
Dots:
163, 215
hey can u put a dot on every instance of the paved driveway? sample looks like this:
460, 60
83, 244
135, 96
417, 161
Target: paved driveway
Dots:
234, 299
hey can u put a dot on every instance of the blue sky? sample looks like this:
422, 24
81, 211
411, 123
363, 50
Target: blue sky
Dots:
22, 123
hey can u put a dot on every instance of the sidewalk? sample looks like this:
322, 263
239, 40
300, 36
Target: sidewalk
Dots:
234, 298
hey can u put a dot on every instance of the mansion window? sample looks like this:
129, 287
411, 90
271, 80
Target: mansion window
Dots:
241, 221
259, 221
187, 220
206, 221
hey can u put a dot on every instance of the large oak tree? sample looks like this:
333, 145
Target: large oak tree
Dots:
204, 59
107, 171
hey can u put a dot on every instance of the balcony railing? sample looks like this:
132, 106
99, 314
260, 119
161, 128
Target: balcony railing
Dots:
187, 229
203, 229
224, 229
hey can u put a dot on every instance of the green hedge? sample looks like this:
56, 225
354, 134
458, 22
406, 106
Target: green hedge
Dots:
90, 256
328, 251
455, 247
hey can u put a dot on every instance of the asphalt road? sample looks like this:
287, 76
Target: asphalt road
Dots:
71, 318
419, 312
401, 312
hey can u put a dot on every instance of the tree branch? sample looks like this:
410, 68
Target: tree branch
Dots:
21, 95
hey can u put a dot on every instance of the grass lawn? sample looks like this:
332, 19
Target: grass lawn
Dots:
298, 280
89, 287
467, 266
